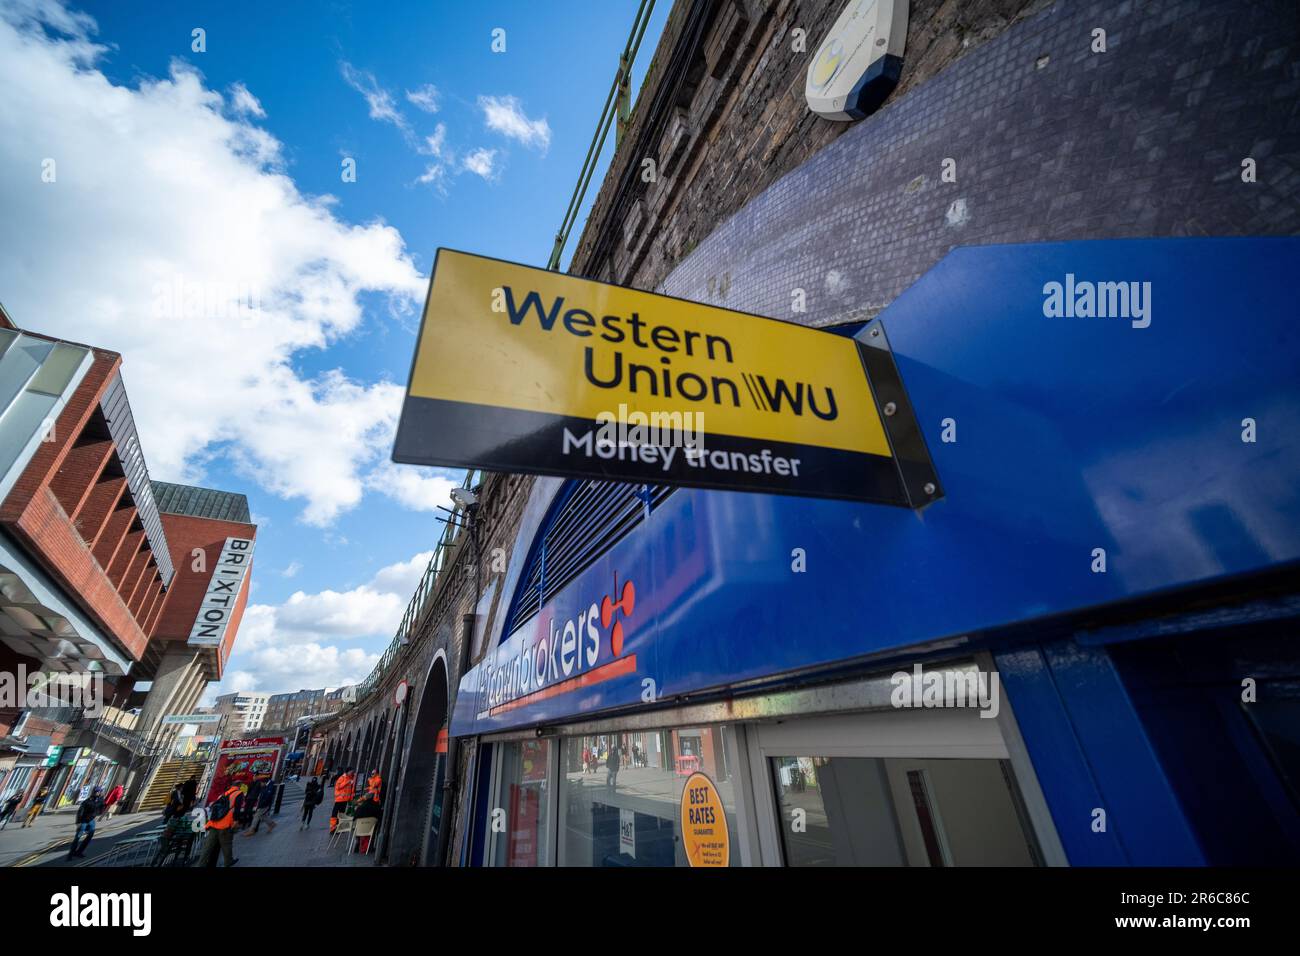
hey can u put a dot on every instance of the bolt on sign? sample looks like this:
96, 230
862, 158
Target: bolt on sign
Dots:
522, 369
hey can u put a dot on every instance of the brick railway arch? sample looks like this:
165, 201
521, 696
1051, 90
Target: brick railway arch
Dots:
363, 752
416, 811
391, 768
378, 751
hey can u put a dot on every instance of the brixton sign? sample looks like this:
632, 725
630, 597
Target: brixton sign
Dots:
527, 370
222, 595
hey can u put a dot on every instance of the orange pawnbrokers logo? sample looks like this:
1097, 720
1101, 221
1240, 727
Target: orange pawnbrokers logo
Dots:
584, 650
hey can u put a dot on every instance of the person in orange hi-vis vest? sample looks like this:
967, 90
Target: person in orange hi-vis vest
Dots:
374, 785
345, 788
221, 827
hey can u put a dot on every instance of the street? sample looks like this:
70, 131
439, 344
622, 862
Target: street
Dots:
45, 843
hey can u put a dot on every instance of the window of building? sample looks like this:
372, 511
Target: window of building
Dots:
859, 811
621, 795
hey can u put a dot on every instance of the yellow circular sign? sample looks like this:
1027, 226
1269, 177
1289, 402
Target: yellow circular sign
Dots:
704, 823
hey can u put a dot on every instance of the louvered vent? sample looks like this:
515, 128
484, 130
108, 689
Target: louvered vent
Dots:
586, 521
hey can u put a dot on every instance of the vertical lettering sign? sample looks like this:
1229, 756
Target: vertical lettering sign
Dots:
526, 370
218, 604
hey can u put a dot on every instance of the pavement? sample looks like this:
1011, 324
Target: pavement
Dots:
46, 841
290, 845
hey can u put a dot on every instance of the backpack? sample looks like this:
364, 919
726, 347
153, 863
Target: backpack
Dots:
220, 808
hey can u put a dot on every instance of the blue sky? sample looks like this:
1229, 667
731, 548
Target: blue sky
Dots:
221, 170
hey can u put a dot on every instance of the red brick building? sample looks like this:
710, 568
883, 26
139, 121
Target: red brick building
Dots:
106, 577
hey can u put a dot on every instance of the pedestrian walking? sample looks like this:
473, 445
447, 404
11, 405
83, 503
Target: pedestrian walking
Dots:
611, 765
244, 818
114, 795
220, 837
310, 800
265, 800
89, 810
9, 808
175, 805
189, 792
38, 803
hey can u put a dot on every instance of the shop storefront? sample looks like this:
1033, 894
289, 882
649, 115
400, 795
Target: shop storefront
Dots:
1084, 654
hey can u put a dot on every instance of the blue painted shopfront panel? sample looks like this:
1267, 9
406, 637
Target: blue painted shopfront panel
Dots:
1072, 434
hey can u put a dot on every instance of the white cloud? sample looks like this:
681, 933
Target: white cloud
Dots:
415, 487
424, 97
435, 173
297, 643
173, 236
505, 114
401, 578
233, 681
74, 23
480, 162
245, 103
291, 571
436, 145
281, 670
372, 609
378, 100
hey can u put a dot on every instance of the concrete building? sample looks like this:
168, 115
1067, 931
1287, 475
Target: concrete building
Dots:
129, 591
244, 711
283, 711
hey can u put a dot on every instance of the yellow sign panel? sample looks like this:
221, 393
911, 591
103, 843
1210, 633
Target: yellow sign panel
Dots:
541, 341
704, 823
517, 369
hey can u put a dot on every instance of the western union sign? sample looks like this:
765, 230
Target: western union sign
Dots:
526, 370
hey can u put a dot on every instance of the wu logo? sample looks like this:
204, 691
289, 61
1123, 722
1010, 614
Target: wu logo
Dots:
626, 603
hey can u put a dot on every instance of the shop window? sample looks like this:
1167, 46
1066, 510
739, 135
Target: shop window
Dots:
621, 796
17, 782
862, 811
519, 820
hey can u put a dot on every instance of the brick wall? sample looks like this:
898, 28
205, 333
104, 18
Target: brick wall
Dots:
175, 617
743, 121
184, 534
59, 498
1051, 142
502, 501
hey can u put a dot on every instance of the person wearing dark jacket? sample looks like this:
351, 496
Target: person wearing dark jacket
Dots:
189, 792
310, 800
175, 804
366, 808
90, 808
252, 792
265, 800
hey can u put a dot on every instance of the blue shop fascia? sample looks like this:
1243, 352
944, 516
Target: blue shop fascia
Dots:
1084, 654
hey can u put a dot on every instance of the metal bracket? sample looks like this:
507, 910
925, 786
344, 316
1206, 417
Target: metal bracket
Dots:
916, 471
